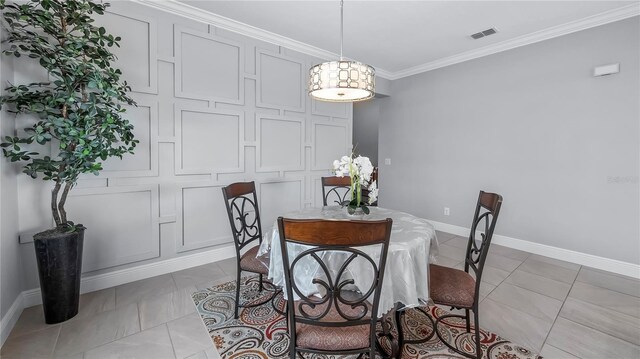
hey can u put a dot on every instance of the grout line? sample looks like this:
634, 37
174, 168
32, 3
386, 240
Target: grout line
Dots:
598, 286
139, 316
515, 285
601, 332
171, 340
53, 350
560, 311
542, 294
596, 329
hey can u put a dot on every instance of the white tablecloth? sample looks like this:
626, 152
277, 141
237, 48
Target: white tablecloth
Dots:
413, 243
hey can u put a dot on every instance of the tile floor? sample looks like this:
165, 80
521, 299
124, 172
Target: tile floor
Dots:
559, 309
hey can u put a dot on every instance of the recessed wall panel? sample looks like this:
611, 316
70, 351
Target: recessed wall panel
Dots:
120, 227
278, 198
141, 119
210, 140
280, 143
281, 83
333, 109
137, 55
330, 143
204, 218
208, 67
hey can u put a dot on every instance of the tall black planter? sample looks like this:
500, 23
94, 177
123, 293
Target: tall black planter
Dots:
59, 257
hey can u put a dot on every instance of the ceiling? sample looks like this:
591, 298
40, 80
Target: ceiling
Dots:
398, 36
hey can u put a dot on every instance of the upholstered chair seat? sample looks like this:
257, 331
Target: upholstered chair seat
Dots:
333, 338
452, 287
251, 263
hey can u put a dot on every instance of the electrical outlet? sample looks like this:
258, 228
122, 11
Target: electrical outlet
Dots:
387, 161
446, 211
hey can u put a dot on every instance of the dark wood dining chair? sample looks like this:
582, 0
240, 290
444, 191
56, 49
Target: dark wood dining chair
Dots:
458, 288
335, 190
342, 321
244, 217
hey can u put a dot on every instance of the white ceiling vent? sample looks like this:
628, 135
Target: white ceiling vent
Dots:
481, 34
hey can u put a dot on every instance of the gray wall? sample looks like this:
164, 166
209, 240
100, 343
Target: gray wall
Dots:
366, 120
214, 108
10, 267
561, 146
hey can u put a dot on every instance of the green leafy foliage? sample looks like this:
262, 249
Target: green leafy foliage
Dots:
79, 111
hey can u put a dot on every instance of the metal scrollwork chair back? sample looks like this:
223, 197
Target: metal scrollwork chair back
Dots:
461, 289
244, 217
342, 319
335, 190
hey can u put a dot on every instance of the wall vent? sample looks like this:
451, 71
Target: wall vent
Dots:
481, 34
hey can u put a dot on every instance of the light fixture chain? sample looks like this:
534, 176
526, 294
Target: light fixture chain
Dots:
341, 27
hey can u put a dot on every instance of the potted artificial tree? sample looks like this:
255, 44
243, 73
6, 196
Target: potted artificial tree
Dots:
72, 123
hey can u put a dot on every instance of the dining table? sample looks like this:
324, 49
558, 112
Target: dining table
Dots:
413, 244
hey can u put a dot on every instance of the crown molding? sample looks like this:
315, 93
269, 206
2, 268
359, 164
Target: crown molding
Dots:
197, 14
545, 34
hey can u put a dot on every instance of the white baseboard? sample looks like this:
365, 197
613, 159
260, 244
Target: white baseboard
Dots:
31, 297
589, 260
10, 319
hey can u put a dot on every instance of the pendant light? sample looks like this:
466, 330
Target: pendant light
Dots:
342, 80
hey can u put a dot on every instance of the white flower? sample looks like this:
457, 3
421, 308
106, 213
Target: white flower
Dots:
359, 169
373, 192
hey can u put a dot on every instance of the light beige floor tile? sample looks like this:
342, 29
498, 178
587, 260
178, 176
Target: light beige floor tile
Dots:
151, 343
605, 320
97, 302
31, 320
616, 282
144, 289
86, 333
197, 275
485, 289
588, 343
535, 304
189, 335
490, 275
609, 299
166, 307
555, 262
493, 276
508, 252
34, 345
495, 260
212, 353
199, 355
551, 352
521, 328
452, 252
228, 265
502, 262
444, 236
539, 284
446, 261
458, 242
549, 270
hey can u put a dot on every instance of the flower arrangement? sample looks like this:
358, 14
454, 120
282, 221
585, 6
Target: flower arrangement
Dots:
360, 169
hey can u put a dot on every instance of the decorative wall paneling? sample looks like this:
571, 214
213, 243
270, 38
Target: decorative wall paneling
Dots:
214, 107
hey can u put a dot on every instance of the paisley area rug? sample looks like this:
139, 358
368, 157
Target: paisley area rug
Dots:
260, 332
